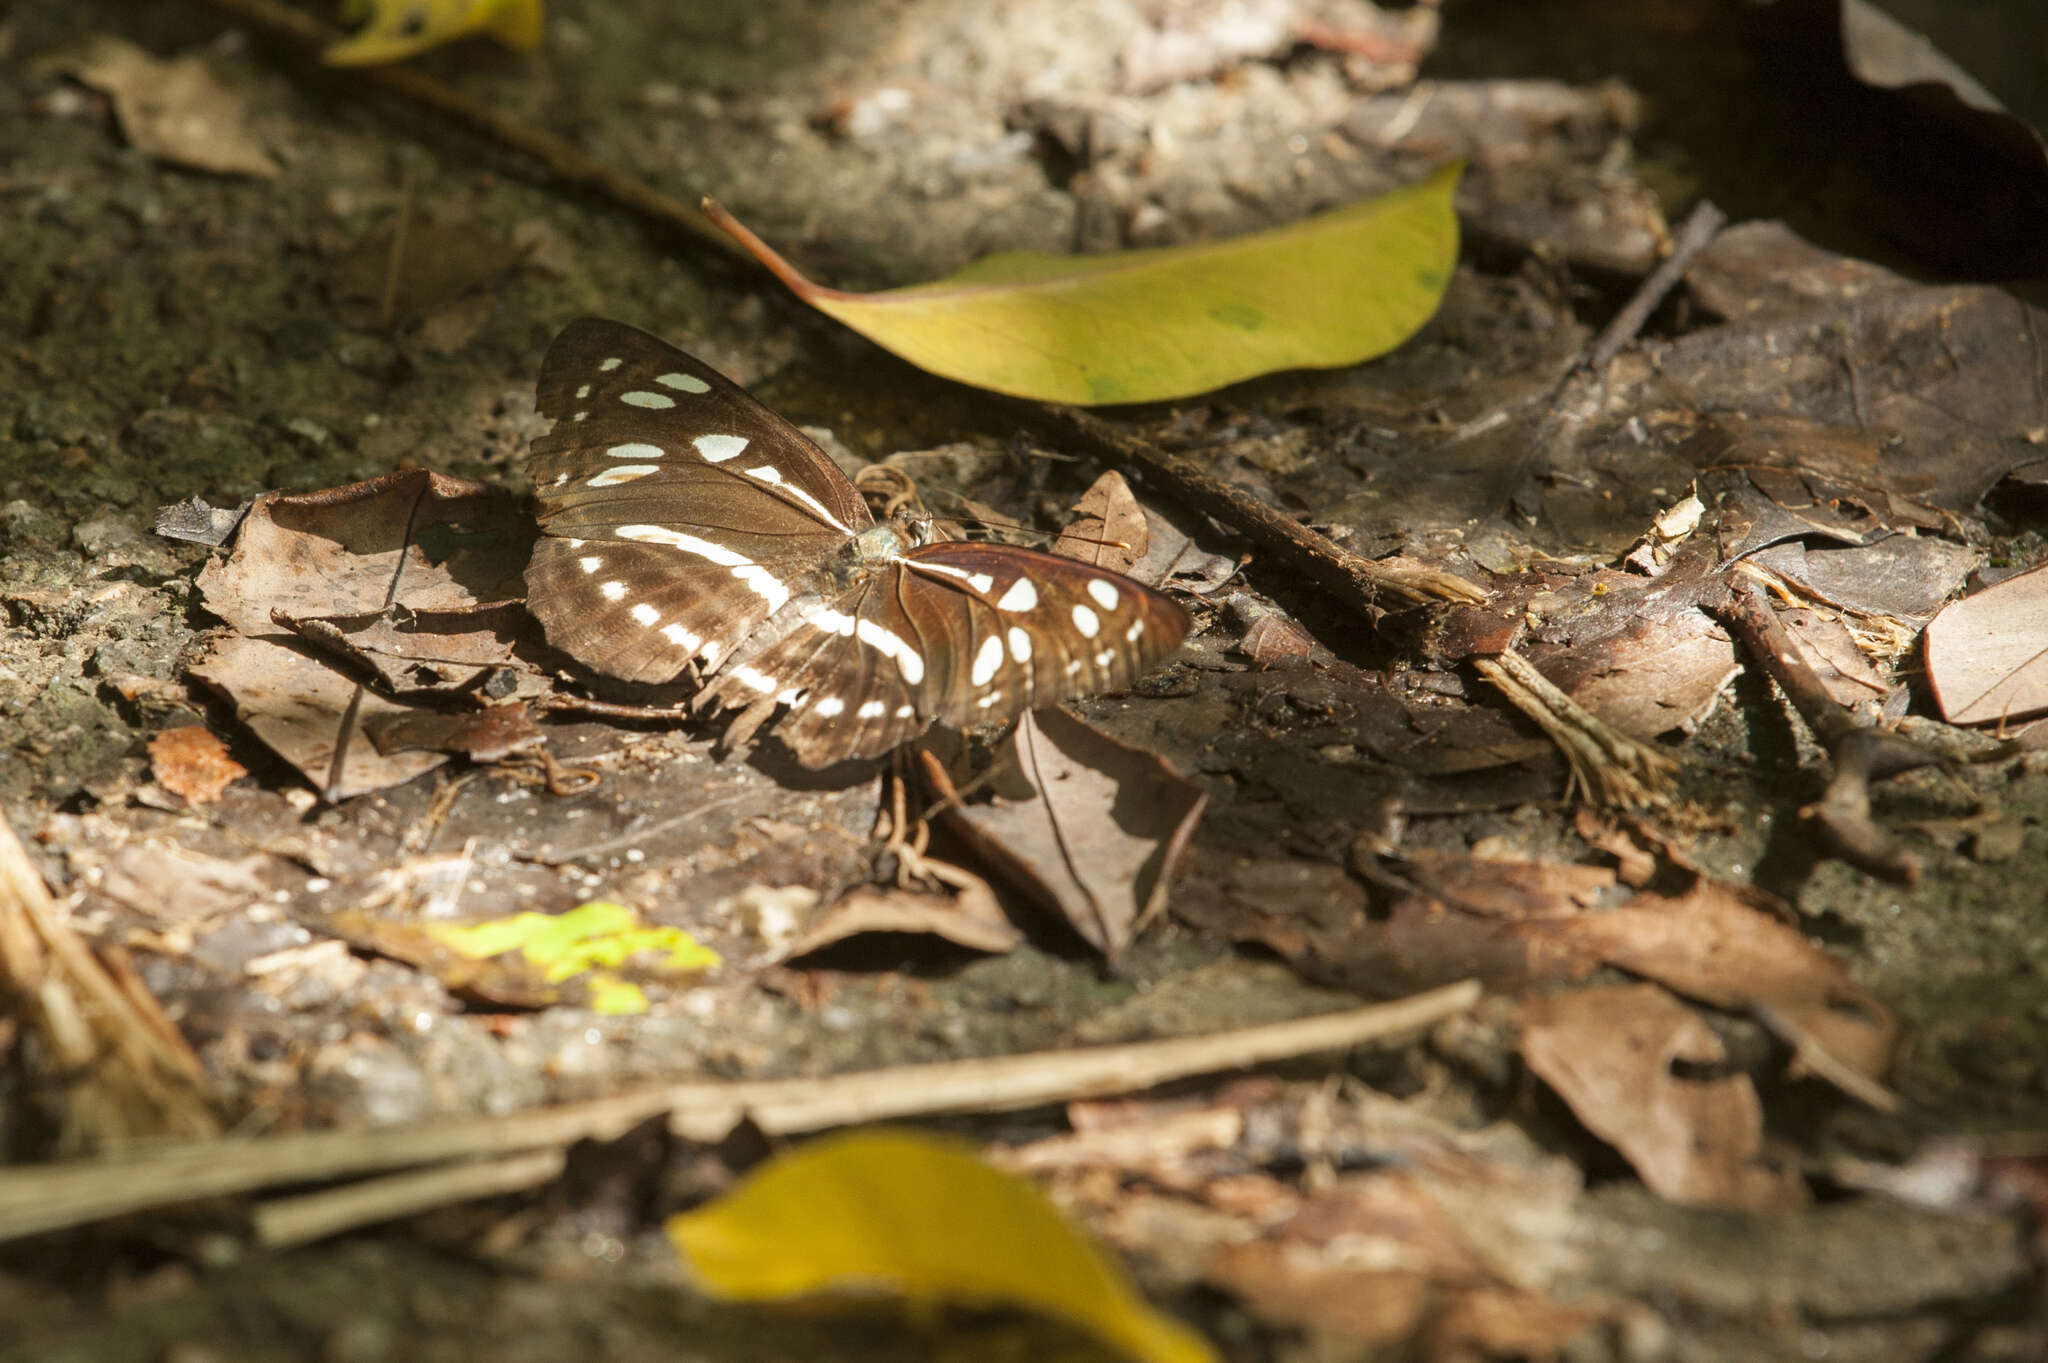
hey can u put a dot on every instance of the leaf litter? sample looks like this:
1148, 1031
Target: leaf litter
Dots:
1826, 464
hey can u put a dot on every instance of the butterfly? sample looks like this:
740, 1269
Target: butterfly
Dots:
689, 532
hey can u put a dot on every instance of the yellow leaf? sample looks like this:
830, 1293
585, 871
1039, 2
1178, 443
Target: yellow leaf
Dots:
562, 945
397, 29
1139, 326
923, 1218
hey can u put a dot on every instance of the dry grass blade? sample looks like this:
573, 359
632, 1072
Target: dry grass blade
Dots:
1614, 770
136, 1077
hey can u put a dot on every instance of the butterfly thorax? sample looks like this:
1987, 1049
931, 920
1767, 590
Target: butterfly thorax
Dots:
883, 543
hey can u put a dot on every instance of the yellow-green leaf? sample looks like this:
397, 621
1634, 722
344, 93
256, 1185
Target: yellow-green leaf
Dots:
393, 30
923, 1218
586, 938
1138, 326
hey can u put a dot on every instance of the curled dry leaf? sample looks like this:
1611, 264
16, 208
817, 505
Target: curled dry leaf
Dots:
1140, 326
192, 762
1087, 826
970, 917
174, 111
1613, 1054
1109, 529
1987, 655
432, 542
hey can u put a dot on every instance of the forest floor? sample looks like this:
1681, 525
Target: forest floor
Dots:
1846, 1117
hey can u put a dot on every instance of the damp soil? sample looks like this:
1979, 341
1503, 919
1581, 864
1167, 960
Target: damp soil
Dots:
173, 334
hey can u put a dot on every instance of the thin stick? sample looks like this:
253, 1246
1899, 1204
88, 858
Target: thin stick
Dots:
38, 1198
1352, 578
286, 1221
1842, 815
1694, 236
562, 160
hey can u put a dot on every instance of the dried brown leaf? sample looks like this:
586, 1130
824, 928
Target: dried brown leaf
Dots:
1109, 529
1612, 1054
970, 917
175, 110
1987, 655
1088, 826
192, 762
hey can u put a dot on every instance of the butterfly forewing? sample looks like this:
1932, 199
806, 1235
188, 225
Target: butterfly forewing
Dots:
679, 512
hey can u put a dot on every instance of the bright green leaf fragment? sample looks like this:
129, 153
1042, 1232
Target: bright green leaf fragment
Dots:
923, 1218
1140, 326
393, 30
563, 945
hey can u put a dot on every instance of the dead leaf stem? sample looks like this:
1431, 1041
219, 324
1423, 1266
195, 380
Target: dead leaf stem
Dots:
1355, 580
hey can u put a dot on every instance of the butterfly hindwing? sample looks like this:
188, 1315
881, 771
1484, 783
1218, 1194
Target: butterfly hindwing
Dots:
957, 633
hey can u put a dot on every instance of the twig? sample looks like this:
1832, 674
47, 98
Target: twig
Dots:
39, 1198
1694, 236
1859, 754
1613, 769
563, 160
1352, 578
286, 1221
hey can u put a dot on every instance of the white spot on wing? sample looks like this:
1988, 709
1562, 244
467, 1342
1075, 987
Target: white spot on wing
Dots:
683, 383
653, 402
623, 473
1137, 628
905, 711
646, 614
680, 637
892, 645
990, 699
764, 583
759, 681
1087, 621
766, 474
1104, 658
871, 710
1105, 593
1022, 596
1073, 666
1020, 645
582, 391
981, 582
719, 448
986, 660
609, 365
830, 706
614, 591
831, 621
634, 449
711, 651
590, 563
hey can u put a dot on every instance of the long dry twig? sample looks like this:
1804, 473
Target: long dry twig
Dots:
1614, 770
39, 1198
